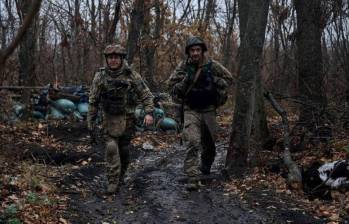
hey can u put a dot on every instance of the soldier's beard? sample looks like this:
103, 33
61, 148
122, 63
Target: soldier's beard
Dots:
196, 59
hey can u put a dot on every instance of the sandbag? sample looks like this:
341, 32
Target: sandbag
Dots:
38, 115
77, 115
18, 109
158, 113
64, 105
83, 108
167, 124
56, 114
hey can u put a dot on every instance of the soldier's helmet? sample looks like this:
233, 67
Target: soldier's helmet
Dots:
115, 49
195, 40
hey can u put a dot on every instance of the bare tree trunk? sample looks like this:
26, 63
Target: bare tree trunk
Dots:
76, 48
261, 131
276, 51
64, 70
3, 31
5, 53
210, 8
341, 50
92, 8
100, 31
149, 41
310, 67
137, 21
27, 52
114, 23
227, 49
252, 29
244, 9
260, 124
42, 49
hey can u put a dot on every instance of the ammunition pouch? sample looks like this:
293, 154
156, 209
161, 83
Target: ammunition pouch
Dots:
115, 125
221, 88
132, 98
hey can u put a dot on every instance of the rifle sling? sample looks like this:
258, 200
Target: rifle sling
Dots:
196, 77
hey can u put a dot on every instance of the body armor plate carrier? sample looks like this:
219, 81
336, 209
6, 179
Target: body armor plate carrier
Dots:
204, 93
115, 97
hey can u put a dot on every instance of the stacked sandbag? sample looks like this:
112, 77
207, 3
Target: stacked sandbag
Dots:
161, 122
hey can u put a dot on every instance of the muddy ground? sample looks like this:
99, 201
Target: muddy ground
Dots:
153, 191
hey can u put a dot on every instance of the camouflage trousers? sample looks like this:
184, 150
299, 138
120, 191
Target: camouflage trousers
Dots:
117, 152
199, 135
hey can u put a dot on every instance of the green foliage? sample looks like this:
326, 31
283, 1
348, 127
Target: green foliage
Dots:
14, 221
9, 215
11, 211
32, 198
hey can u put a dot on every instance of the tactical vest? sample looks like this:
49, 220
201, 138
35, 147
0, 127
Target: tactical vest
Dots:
203, 93
115, 94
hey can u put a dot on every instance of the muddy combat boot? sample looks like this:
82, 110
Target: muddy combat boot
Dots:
205, 170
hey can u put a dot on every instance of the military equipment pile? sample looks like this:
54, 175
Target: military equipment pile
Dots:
71, 102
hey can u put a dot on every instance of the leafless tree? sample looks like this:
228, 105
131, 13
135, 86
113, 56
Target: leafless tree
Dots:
310, 65
30, 16
253, 21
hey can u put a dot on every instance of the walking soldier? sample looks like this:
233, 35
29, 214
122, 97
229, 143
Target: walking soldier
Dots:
117, 88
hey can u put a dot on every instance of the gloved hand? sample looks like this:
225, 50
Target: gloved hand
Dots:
93, 137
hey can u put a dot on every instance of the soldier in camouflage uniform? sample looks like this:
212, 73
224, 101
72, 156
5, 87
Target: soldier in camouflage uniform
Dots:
200, 85
117, 88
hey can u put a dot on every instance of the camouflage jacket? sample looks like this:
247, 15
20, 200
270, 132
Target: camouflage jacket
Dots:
137, 93
179, 80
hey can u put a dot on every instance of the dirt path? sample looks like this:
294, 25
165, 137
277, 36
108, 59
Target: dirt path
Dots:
154, 193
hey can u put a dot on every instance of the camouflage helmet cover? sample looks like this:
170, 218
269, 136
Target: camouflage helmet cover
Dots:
195, 40
114, 49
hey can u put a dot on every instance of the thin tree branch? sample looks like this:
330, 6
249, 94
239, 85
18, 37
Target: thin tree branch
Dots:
5, 53
294, 175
